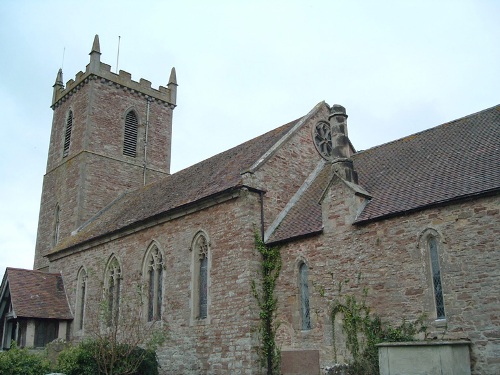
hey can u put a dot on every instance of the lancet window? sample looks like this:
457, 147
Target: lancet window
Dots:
201, 276
80, 298
57, 225
154, 281
305, 315
113, 289
436, 277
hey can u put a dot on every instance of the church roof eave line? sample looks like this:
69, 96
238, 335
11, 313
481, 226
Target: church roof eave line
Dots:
161, 217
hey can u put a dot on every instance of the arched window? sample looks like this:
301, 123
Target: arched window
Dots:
305, 315
200, 276
67, 134
154, 282
81, 292
432, 244
130, 136
112, 284
57, 225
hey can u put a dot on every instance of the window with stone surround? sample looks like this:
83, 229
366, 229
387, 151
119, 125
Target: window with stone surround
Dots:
432, 245
81, 293
305, 316
153, 274
112, 285
67, 133
200, 278
130, 135
57, 225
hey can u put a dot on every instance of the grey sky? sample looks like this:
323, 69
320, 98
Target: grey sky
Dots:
243, 68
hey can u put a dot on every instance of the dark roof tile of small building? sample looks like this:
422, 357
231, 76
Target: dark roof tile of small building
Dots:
36, 294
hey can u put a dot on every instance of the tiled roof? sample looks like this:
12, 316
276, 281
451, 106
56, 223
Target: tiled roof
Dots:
455, 160
36, 294
211, 176
304, 215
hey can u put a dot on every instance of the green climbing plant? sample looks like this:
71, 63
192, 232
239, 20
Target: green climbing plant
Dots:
364, 330
268, 303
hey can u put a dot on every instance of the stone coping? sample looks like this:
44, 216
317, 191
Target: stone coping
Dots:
425, 343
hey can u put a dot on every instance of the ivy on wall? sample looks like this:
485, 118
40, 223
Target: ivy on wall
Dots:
268, 303
364, 330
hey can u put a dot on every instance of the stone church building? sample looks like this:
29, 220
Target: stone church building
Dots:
414, 222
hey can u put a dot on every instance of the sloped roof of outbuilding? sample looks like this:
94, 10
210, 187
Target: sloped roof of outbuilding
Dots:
36, 294
217, 174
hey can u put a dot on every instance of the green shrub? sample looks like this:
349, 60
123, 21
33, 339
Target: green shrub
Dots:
18, 361
78, 360
83, 359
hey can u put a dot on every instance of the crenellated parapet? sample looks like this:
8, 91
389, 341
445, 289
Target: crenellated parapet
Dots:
96, 70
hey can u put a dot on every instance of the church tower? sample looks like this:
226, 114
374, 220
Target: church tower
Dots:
110, 135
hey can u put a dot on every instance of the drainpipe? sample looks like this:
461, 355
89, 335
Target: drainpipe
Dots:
148, 101
261, 194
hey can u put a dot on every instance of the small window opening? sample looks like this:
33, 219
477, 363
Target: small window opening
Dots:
203, 286
155, 284
130, 137
46, 330
57, 226
304, 297
200, 277
67, 134
82, 289
113, 278
436, 278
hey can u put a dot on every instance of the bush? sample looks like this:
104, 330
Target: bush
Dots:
78, 360
22, 362
82, 359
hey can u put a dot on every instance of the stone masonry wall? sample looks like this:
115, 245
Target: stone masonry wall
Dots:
95, 171
224, 342
390, 259
283, 174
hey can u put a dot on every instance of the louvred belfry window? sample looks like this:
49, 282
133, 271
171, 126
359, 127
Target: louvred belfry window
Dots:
67, 133
130, 136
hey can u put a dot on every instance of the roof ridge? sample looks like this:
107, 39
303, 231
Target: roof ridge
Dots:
427, 130
27, 270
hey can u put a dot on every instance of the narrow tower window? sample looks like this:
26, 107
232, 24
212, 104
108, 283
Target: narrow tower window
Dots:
436, 277
304, 297
67, 133
130, 136
154, 274
113, 286
57, 225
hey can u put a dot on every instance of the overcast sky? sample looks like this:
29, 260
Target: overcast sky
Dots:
243, 68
